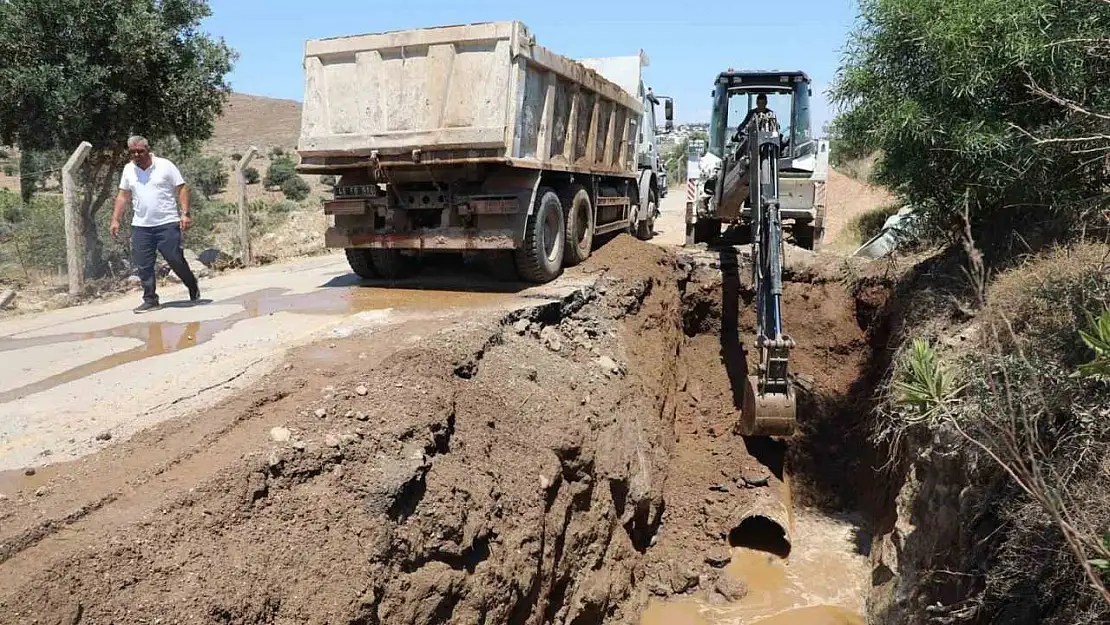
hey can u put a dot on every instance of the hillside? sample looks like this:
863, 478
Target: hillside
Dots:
256, 120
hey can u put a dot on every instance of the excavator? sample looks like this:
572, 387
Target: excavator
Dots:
758, 176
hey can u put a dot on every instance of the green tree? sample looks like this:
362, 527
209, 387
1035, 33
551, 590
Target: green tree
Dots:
281, 169
206, 173
295, 188
73, 71
997, 105
251, 175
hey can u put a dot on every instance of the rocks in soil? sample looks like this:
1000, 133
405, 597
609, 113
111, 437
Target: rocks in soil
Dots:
29, 471
521, 326
362, 391
682, 578
550, 337
718, 557
321, 413
279, 434
608, 365
727, 589
6, 298
200, 270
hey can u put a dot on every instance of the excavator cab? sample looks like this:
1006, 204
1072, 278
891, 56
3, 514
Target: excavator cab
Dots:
803, 159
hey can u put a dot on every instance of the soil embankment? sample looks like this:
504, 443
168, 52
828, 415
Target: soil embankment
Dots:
559, 464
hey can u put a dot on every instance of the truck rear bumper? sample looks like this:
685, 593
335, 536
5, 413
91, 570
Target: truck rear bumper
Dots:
430, 239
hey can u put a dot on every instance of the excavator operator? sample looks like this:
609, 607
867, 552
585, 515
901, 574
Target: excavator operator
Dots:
741, 136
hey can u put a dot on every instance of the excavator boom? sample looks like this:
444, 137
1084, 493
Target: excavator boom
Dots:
769, 403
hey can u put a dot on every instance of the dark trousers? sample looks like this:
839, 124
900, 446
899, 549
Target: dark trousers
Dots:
146, 243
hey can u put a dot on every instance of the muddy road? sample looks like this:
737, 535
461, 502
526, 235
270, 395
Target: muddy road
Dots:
308, 449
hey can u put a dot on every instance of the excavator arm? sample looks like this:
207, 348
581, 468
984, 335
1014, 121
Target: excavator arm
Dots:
769, 402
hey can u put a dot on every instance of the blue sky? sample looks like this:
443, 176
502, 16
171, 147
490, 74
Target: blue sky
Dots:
688, 44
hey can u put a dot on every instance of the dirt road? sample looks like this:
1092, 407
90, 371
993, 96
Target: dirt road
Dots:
70, 376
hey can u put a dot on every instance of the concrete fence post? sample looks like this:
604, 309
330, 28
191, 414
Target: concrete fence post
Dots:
75, 245
244, 216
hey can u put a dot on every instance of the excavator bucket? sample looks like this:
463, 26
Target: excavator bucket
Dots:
767, 414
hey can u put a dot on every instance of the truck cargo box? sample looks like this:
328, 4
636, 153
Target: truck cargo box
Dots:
461, 94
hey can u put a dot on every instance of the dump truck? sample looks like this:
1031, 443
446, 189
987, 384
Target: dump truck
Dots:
475, 139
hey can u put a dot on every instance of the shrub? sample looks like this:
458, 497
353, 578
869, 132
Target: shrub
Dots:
328, 180
281, 169
10, 169
277, 151
11, 207
41, 234
5, 154
990, 105
206, 173
236, 156
296, 188
251, 175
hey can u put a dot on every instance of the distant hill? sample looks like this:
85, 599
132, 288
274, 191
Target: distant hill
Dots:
259, 121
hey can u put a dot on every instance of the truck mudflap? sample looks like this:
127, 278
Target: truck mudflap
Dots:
430, 239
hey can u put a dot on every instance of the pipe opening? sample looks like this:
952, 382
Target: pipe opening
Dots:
761, 534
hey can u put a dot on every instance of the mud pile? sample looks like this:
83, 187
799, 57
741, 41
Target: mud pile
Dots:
508, 472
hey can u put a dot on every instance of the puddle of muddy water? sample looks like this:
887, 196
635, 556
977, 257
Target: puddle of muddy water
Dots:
821, 582
165, 337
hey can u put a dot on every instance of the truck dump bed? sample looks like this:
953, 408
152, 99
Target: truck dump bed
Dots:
461, 94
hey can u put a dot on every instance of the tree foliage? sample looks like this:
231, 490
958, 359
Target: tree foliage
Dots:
73, 71
997, 105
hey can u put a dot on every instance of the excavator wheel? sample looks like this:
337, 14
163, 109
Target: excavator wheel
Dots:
767, 415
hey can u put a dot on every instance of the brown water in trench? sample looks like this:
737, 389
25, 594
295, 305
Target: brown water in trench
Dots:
779, 592
165, 337
814, 577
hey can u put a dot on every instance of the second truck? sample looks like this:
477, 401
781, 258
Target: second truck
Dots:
475, 139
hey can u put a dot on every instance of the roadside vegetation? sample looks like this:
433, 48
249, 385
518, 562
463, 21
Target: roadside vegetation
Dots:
991, 119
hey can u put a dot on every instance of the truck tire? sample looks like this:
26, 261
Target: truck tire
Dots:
392, 264
645, 230
359, 260
580, 226
540, 257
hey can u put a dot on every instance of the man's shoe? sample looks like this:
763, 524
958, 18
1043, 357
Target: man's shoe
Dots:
147, 307
194, 294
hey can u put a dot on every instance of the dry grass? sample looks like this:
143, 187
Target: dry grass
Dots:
1032, 437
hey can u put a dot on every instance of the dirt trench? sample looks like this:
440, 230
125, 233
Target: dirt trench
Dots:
562, 464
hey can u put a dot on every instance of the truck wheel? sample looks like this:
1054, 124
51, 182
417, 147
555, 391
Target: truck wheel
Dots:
359, 260
392, 264
540, 257
580, 226
645, 230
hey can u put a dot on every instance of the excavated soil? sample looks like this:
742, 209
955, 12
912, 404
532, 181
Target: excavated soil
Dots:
560, 464
723, 488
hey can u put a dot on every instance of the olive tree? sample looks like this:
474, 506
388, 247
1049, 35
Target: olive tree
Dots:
73, 70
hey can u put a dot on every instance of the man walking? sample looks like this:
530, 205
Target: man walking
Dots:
154, 188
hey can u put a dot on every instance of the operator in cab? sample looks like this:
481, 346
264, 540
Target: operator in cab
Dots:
760, 109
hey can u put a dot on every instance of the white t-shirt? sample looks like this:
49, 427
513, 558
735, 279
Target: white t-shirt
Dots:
153, 192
